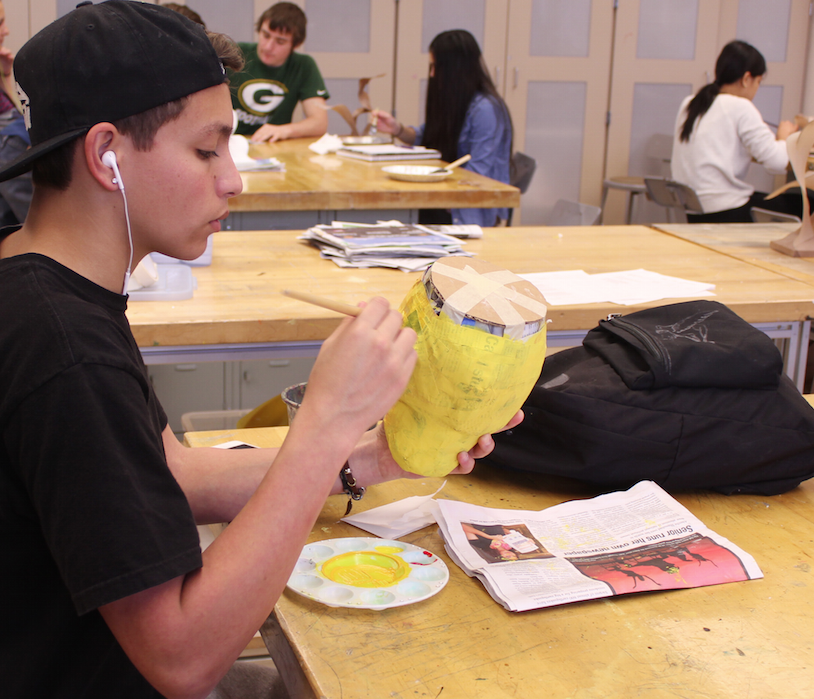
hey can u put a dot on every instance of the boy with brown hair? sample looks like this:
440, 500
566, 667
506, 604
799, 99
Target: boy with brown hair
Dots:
275, 78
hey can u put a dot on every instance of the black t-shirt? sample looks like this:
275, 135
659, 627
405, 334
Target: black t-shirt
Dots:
89, 511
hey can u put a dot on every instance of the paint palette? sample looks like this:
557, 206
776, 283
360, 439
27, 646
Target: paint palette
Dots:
367, 573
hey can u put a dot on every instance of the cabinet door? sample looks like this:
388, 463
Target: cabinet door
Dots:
665, 50
188, 388
779, 30
419, 21
24, 18
557, 74
261, 380
349, 40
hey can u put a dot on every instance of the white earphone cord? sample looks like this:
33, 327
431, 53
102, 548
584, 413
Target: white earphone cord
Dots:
109, 159
130, 240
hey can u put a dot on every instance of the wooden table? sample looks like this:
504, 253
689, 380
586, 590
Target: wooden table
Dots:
322, 188
748, 242
732, 641
238, 311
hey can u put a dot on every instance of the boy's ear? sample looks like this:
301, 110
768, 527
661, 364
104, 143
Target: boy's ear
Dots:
100, 139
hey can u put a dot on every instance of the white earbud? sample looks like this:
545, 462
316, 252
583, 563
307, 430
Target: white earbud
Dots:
109, 159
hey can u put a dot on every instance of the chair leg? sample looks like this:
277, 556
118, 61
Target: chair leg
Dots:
602, 205
629, 207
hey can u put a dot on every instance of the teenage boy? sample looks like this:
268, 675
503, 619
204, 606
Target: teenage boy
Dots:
275, 78
106, 591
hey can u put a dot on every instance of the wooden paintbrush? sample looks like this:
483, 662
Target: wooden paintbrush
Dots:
322, 302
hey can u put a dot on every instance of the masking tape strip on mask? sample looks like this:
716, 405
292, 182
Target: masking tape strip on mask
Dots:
492, 288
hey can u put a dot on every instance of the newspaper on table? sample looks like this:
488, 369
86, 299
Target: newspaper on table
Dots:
459, 230
638, 540
409, 247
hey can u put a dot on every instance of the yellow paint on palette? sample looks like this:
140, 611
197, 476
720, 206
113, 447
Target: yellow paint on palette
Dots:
365, 569
388, 549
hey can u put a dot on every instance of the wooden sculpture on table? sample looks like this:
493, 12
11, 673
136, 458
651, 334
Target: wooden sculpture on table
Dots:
363, 108
800, 243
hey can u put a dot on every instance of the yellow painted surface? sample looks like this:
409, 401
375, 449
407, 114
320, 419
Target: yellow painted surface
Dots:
466, 383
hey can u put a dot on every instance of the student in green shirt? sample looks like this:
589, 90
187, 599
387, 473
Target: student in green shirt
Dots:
274, 79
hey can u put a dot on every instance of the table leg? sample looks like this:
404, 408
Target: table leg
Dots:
802, 354
288, 665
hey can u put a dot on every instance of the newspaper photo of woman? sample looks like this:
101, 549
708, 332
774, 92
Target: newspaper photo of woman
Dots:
504, 542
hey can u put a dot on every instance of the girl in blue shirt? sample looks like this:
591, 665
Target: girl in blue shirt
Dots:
465, 115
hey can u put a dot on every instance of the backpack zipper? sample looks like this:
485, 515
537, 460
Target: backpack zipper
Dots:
639, 334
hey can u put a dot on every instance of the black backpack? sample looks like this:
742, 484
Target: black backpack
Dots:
688, 395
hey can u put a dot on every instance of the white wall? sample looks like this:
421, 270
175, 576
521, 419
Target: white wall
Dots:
808, 84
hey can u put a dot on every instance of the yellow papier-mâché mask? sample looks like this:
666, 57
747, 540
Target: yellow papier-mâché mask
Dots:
467, 381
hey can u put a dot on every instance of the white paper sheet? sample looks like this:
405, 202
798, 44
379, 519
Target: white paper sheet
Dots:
626, 288
399, 518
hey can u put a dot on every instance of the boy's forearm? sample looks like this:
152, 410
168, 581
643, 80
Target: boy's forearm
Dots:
216, 482
219, 482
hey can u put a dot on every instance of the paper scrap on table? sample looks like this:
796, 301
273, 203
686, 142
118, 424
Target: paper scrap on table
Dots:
397, 519
625, 288
329, 143
239, 150
144, 275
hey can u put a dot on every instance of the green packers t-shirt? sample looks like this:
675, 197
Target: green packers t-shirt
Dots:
261, 94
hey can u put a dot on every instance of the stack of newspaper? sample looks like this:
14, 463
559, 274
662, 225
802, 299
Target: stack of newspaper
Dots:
410, 248
633, 541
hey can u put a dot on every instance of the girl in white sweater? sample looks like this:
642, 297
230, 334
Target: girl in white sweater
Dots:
719, 132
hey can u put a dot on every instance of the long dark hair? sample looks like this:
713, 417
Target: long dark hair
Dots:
459, 75
737, 58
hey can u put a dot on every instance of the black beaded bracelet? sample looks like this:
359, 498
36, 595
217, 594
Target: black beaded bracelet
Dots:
350, 486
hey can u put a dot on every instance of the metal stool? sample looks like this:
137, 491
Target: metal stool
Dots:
632, 185
760, 215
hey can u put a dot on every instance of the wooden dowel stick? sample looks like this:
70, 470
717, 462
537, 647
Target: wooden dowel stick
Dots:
321, 301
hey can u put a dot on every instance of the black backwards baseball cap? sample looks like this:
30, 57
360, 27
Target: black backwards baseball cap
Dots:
103, 63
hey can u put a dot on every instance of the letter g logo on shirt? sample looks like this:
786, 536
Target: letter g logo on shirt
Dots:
261, 97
